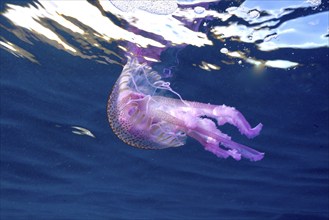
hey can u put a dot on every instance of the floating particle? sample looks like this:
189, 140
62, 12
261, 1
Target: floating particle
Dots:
224, 50
82, 131
199, 10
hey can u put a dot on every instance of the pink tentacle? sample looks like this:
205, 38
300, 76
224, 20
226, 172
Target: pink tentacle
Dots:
211, 140
225, 114
205, 131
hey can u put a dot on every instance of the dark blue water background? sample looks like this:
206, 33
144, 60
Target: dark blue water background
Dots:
47, 172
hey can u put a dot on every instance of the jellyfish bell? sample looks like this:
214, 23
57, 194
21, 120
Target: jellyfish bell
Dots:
159, 7
143, 113
129, 107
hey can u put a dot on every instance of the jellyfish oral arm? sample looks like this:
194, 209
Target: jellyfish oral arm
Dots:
194, 119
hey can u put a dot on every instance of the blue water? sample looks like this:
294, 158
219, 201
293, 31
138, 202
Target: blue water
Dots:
48, 172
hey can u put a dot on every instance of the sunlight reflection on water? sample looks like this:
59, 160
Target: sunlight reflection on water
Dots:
264, 24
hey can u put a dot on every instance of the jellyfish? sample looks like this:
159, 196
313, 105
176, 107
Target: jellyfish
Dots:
145, 112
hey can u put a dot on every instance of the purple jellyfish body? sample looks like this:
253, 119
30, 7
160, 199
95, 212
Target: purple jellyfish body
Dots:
142, 114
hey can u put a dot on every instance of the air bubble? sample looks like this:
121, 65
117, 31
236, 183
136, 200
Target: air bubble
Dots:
199, 10
224, 50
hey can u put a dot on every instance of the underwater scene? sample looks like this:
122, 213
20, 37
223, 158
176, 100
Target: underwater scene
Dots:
154, 109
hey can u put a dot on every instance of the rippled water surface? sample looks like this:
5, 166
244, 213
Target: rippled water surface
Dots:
60, 60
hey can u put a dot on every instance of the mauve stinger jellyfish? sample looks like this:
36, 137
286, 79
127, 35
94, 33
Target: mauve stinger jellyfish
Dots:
145, 112
142, 116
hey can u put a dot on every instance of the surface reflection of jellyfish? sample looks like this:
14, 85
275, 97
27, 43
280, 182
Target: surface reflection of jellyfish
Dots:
143, 114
